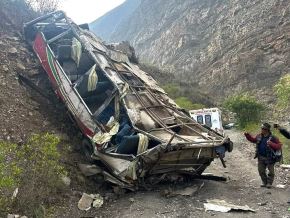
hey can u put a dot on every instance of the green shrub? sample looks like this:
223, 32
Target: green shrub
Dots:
172, 90
35, 169
197, 106
252, 128
185, 103
9, 174
282, 90
42, 174
247, 109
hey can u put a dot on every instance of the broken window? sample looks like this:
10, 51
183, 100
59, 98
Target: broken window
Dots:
199, 119
207, 119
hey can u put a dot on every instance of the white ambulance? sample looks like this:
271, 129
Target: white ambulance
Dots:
210, 117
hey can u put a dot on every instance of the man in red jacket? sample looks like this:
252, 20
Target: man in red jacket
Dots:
266, 143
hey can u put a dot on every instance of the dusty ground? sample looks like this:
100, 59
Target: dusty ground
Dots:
242, 188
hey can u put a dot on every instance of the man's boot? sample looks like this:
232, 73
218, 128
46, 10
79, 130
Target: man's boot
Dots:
264, 182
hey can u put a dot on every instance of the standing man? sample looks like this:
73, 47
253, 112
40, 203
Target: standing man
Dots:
265, 142
285, 133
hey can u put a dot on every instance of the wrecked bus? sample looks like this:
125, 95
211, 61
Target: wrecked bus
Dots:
129, 124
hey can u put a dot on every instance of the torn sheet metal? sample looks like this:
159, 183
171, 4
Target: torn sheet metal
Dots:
101, 138
223, 206
118, 56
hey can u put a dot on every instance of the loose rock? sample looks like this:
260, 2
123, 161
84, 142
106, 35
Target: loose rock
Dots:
20, 66
66, 180
12, 50
262, 203
87, 201
89, 170
5, 68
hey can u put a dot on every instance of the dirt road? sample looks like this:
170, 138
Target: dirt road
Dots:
242, 188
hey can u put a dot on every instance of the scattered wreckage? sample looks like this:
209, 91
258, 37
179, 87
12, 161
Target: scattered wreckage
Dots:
130, 126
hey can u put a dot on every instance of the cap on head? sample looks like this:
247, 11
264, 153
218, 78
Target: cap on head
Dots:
266, 126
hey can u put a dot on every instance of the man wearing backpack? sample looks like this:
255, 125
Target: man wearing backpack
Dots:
267, 144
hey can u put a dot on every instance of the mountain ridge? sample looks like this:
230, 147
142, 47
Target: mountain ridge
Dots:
222, 47
112, 18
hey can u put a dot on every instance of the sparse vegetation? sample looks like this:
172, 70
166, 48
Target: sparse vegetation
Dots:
282, 90
174, 92
185, 103
34, 168
253, 128
247, 109
174, 88
9, 173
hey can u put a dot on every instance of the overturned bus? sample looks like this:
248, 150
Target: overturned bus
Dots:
129, 124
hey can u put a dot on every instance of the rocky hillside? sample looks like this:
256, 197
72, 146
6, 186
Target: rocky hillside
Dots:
219, 46
23, 111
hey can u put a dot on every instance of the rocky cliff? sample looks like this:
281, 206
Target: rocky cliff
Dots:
219, 46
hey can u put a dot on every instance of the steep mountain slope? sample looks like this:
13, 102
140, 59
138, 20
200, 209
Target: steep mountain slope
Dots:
22, 111
220, 46
112, 19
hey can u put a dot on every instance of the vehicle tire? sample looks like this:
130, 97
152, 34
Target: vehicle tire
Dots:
87, 150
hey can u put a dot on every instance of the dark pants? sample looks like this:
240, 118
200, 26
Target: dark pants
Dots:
263, 164
127, 143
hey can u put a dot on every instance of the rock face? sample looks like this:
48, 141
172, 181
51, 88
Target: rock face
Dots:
221, 46
22, 111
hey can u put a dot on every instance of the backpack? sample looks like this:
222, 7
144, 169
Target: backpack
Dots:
275, 155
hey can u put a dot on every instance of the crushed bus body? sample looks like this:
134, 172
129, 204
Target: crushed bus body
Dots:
128, 122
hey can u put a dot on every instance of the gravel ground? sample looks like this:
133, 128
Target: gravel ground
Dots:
241, 188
